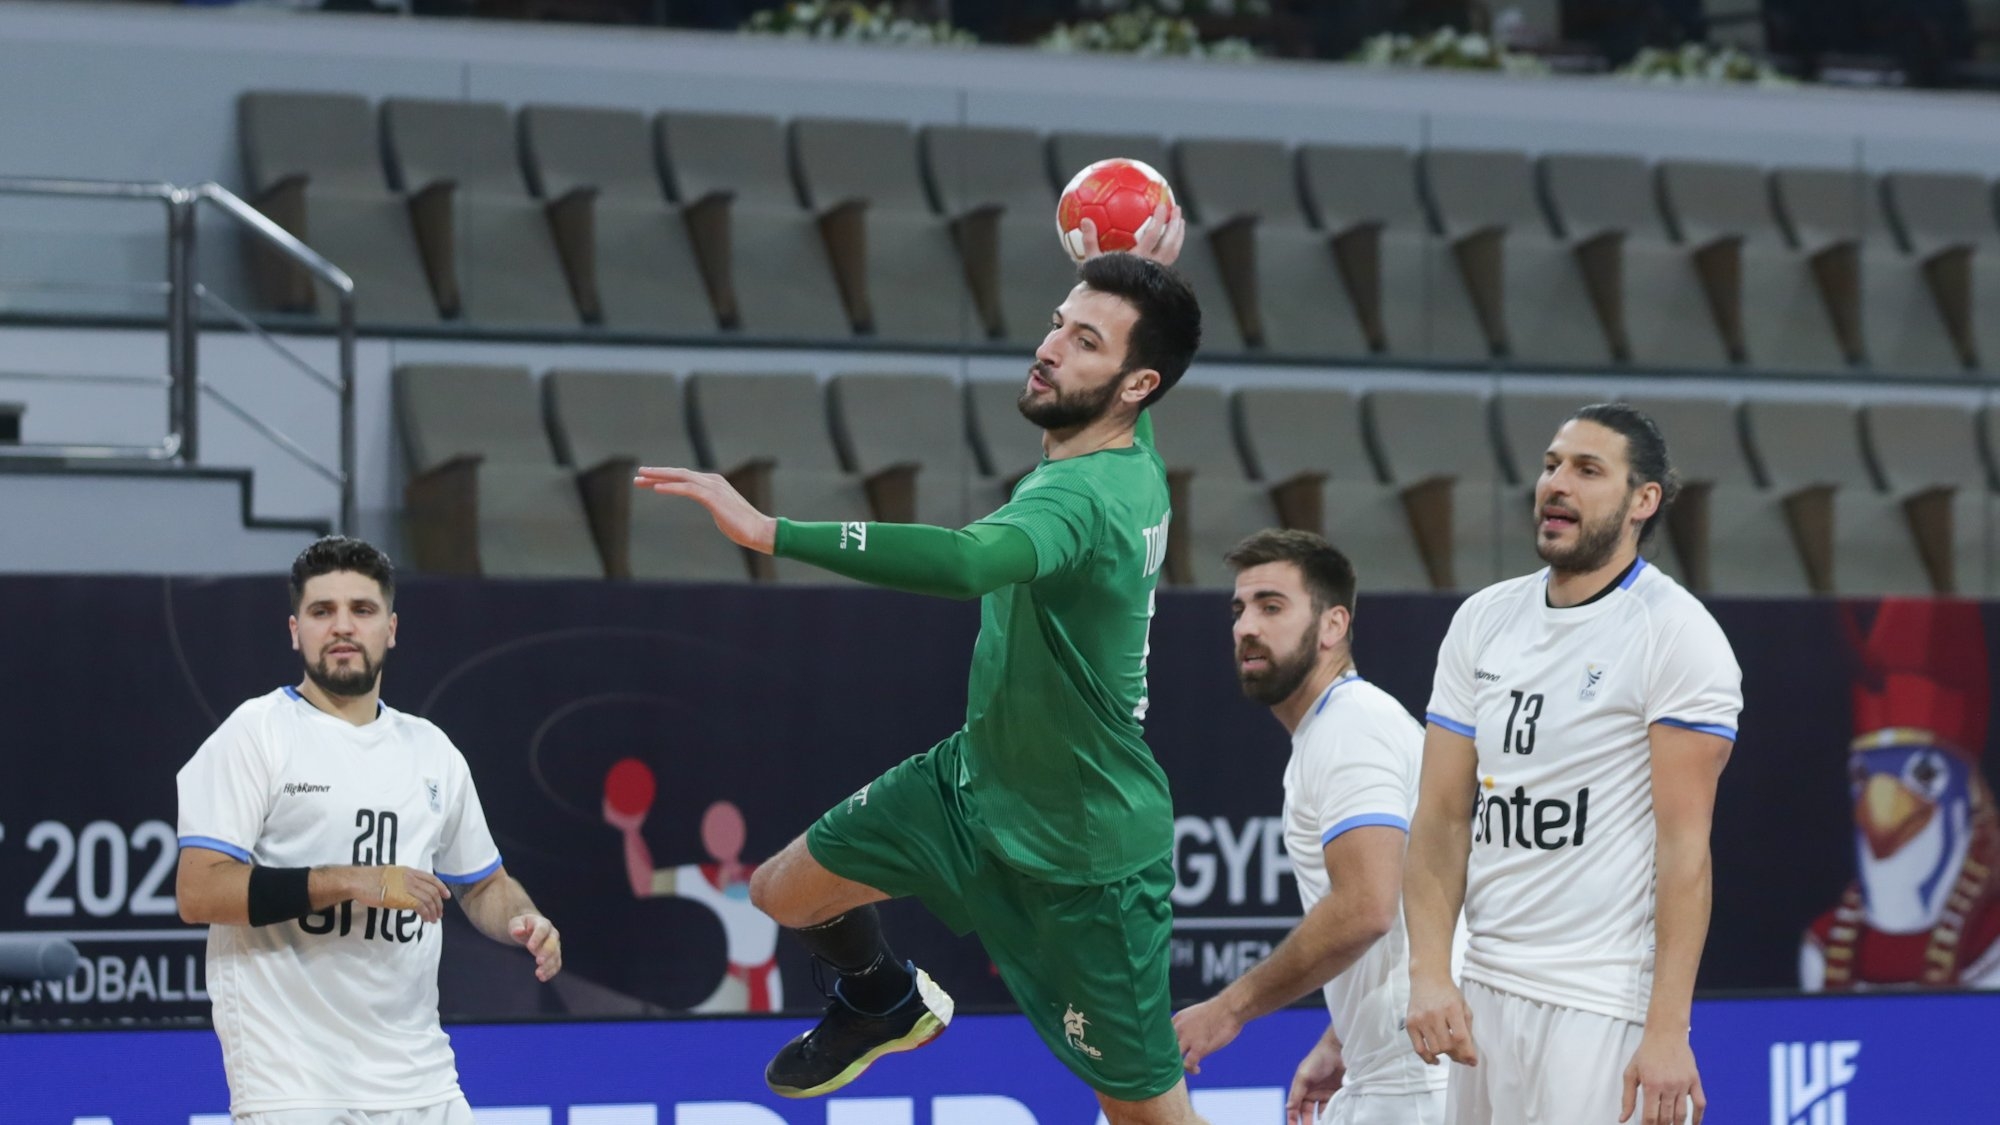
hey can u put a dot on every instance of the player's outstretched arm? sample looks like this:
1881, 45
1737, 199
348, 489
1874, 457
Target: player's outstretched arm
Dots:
214, 888
734, 516
1686, 765
500, 908
1439, 1023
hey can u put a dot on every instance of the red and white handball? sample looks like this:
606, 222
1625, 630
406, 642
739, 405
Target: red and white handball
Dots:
1119, 197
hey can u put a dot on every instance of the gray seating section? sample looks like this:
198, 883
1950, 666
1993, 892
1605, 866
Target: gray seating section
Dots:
1722, 212
528, 518
1007, 446
1293, 432
912, 281
601, 416
1650, 287
623, 244
1944, 223
1397, 280
766, 261
1221, 504
313, 163
487, 242
1438, 444
1919, 448
1070, 153
1805, 444
1281, 272
1749, 544
1536, 309
1834, 214
741, 420
882, 421
975, 169
1526, 423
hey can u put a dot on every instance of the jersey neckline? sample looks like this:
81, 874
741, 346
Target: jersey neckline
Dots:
1595, 604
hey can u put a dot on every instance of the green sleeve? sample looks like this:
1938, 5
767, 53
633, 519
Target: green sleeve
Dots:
1060, 517
915, 558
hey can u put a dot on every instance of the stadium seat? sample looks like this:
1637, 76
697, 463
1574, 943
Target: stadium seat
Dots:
761, 252
1944, 222
1927, 454
1307, 446
1729, 534
1007, 446
1766, 296
313, 164
1437, 450
1640, 281
606, 424
896, 431
1070, 153
486, 243
1365, 199
992, 184
1834, 216
899, 272
1810, 452
1216, 504
769, 435
485, 494
1526, 422
625, 249
1280, 272
1528, 292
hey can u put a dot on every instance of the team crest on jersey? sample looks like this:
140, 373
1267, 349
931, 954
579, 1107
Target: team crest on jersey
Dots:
1593, 677
431, 790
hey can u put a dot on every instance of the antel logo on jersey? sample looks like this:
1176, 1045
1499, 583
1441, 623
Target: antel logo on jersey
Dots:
1528, 823
294, 788
1808, 1080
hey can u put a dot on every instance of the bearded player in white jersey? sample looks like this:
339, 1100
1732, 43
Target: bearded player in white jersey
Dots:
1350, 788
321, 833
1578, 725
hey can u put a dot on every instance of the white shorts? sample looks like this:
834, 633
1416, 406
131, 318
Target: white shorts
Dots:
453, 1112
1350, 1108
1540, 1064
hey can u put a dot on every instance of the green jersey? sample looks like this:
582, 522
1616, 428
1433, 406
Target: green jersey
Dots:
1056, 777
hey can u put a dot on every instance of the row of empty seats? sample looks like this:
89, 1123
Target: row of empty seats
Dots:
705, 225
1425, 489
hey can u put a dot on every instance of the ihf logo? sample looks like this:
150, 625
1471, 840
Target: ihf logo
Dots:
1808, 1081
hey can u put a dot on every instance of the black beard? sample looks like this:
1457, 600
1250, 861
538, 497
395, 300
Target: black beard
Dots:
1594, 546
1065, 410
1276, 684
346, 685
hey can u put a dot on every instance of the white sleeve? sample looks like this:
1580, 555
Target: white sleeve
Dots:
1696, 683
1451, 705
225, 791
1361, 777
466, 851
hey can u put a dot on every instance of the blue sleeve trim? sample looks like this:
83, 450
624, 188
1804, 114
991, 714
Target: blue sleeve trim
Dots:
1716, 729
475, 876
1452, 725
215, 845
1364, 820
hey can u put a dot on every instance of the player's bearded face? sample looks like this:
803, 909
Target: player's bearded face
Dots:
1594, 539
1065, 402
343, 630
1280, 672
347, 668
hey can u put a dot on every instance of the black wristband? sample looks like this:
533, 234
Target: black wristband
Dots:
279, 894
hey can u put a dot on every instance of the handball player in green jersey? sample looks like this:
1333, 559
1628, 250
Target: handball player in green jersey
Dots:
1043, 824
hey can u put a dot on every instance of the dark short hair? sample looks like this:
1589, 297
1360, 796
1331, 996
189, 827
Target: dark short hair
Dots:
1168, 330
1645, 452
338, 552
1329, 576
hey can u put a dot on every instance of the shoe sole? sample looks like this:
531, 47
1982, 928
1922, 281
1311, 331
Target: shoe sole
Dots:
938, 1007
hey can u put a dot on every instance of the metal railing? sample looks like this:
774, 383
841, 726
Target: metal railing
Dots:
185, 298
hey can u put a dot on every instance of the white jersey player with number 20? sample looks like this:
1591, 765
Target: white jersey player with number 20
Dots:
1578, 726
321, 833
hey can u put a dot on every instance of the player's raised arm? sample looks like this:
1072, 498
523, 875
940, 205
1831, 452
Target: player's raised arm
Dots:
1440, 1025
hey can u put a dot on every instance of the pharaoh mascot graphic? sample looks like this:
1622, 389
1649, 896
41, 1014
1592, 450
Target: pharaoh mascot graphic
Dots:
1924, 908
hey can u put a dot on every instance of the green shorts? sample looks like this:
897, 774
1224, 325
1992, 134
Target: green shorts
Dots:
1087, 964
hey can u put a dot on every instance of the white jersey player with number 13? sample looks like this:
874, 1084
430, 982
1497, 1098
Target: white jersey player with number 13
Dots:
1578, 726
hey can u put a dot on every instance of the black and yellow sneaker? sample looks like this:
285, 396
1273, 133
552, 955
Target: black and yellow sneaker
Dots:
847, 1041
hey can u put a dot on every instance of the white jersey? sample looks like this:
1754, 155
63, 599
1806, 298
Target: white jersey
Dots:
1355, 762
338, 1009
1559, 889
